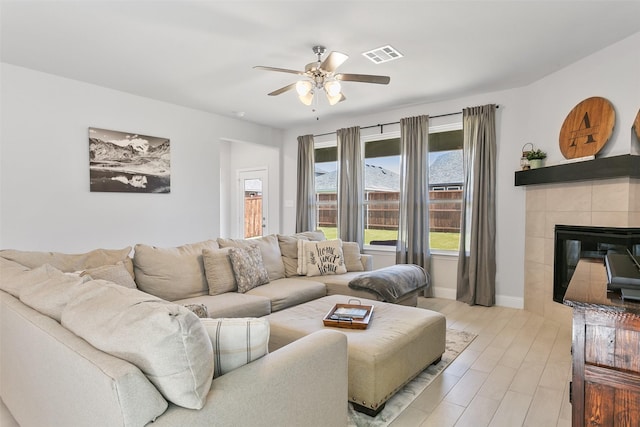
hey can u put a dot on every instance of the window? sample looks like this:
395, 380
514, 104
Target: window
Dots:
381, 191
326, 171
382, 188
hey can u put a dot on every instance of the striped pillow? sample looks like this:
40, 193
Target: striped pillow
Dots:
236, 341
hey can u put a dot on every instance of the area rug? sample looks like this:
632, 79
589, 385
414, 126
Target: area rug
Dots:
456, 342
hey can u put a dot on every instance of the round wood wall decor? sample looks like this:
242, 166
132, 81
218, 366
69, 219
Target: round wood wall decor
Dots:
587, 128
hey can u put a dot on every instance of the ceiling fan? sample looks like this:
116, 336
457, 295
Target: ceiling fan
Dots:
321, 75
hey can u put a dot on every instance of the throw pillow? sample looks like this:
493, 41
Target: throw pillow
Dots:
199, 310
352, 256
289, 250
269, 248
248, 268
218, 270
51, 295
323, 258
165, 340
172, 273
116, 273
236, 341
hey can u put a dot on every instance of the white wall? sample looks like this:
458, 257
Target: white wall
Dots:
44, 174
531, 114
612, 73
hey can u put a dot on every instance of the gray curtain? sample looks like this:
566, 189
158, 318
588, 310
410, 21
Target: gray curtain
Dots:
413, 223
477, 260
306, 193
350, 186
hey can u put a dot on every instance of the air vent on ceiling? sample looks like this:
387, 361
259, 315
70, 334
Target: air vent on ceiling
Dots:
382, 54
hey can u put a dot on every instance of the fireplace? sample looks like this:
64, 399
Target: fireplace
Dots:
573, 242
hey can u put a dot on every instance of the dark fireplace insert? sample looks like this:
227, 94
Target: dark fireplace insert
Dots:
573, 242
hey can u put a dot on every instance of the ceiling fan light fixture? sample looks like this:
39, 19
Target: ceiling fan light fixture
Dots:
333, 88
306, 99
303, 87
334, 99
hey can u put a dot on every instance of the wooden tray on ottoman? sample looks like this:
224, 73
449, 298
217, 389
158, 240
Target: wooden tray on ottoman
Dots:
350, 316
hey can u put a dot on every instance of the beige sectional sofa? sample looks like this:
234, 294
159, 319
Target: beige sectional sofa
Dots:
64, 319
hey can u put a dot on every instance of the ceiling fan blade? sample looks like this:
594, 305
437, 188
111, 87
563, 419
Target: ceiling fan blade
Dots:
282, 89
365, 78
281, 70
333, 61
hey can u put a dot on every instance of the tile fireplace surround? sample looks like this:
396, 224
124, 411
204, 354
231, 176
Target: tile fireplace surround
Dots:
612, 202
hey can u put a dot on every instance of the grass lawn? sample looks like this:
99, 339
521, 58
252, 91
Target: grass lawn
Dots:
441, 241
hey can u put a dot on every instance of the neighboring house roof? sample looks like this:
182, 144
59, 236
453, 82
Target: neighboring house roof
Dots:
445, 170
376, 179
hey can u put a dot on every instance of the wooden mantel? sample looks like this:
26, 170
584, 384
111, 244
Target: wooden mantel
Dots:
626, 165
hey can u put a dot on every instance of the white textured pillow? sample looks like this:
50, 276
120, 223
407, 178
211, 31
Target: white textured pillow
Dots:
218, 270
289, 249
116, 273
269, 248
352, 256
323, 258
172, 273
165, 340
248, 268
50, 296
236, 341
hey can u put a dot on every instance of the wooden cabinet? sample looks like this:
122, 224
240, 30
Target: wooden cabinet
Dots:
605, 386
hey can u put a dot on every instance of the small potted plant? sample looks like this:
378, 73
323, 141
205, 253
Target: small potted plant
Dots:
536, 158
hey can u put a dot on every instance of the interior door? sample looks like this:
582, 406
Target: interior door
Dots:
253, 185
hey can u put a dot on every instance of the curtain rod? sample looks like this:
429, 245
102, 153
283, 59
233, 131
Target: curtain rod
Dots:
382, 125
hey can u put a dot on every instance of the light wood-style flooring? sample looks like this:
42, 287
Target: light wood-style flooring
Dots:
515, 373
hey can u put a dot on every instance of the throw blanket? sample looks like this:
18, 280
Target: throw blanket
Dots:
392, 283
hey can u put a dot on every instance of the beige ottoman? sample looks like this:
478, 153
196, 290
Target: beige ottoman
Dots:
399, 343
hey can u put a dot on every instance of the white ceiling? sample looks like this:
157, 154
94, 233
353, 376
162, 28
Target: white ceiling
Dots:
200, 54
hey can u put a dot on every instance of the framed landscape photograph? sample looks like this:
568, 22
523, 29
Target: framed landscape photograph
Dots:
128, 162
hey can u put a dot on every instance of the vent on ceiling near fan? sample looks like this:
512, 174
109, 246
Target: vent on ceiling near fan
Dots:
382, 54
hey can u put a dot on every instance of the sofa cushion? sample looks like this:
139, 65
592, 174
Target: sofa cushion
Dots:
70, 262
322, 258
352, 256
248, 268
13, 276
269, 248
236, 341
51, 295
116, 273
284, 293
172, 273
232, 304
289, 249
165, 340
218, 270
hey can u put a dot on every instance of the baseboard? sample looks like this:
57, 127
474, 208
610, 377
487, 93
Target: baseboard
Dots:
511, 302
446, 293
501, 300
